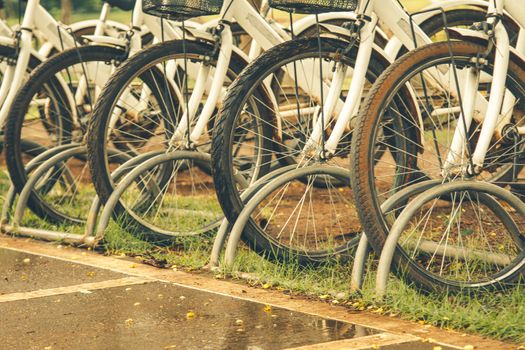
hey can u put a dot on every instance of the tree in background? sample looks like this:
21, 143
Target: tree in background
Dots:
66, 7
63, 9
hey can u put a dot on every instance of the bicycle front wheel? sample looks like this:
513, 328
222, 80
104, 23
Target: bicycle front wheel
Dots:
404, 136
157, 81
265, 123
51, 109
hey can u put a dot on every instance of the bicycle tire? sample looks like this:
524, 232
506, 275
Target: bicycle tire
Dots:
97, 144
363, 162
222, 166
42, 76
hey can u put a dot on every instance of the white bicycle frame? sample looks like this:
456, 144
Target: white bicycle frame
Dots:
140, 23
265, 34
501, 101
398, 21
36, 18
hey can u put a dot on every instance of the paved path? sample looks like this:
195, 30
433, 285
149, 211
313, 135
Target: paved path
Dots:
54, 297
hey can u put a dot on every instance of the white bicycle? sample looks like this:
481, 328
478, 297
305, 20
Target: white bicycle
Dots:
186, 123
451, 110
52, 108
274, 115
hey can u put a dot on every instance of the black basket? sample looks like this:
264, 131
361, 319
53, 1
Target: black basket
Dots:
314, 6
180, 10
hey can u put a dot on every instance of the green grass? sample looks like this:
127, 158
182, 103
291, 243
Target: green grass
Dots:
115, 15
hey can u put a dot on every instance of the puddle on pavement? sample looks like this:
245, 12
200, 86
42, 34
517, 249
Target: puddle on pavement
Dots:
21, 272
158, 315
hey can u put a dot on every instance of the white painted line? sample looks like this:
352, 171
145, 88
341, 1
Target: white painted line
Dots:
362, 343
74, 261
79, 288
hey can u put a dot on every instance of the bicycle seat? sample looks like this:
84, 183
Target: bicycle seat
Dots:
126, 5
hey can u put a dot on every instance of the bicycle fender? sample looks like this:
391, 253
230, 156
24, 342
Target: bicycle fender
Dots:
480, 38
106, 40
308, 22
91, 23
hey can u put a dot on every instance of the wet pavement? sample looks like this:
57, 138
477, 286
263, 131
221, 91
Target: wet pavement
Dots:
46, 303
21, 272
158, 315
153, 314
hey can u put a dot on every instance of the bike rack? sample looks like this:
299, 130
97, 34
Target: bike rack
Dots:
95, 224
142, 165
37, 168
486, 191
407, 201
265, 187
11, 225
30, 167
121, 171
417, 195
246, 196
363, 249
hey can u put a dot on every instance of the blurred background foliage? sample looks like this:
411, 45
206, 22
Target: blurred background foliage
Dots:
62, 9
68, 11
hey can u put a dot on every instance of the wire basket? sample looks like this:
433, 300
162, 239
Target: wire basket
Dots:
314, 6
180, 10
